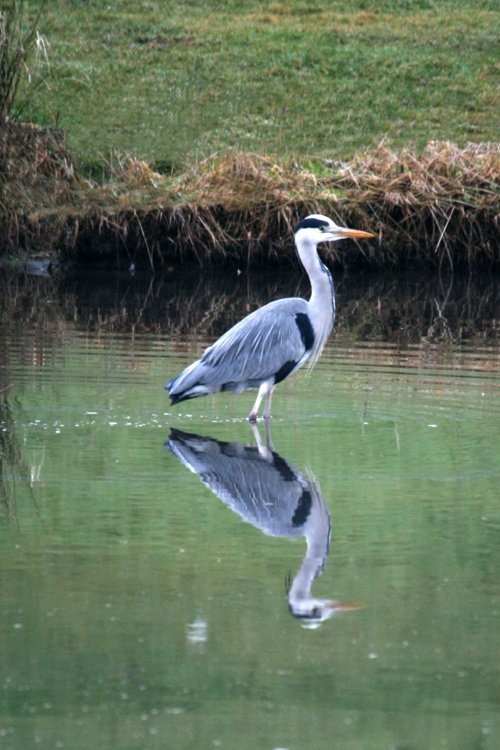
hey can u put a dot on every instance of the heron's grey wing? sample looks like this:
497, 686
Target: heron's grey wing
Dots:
274, 337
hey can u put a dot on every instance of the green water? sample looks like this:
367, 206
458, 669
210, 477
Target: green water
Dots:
140, 609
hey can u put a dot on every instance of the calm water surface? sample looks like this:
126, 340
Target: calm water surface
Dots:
169, 580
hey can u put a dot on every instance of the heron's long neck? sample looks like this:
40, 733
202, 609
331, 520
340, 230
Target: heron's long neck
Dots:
319, 275
322, 298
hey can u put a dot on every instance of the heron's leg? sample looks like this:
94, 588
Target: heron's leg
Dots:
264, 390
267, 407
252, 417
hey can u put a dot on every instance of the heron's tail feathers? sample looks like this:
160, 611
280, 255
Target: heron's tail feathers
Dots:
176, 396
187, 384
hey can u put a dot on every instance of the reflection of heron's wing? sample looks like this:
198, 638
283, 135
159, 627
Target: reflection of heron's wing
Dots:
268, 493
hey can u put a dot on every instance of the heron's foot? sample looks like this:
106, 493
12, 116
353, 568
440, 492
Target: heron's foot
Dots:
253, 418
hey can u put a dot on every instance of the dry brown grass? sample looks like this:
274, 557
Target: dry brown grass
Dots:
439, 207
37, 186
439, 204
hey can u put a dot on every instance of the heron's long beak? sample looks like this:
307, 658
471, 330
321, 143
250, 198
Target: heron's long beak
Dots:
355, 233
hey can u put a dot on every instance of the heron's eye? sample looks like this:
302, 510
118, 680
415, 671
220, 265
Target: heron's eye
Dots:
323, 228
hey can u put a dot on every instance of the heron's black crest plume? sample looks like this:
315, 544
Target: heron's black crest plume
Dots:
310, 223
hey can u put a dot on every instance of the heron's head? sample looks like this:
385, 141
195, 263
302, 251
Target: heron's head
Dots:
317, 228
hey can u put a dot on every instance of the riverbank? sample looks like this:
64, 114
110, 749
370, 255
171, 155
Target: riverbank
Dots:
437, 206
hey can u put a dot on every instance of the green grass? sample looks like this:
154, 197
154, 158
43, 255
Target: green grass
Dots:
173, 82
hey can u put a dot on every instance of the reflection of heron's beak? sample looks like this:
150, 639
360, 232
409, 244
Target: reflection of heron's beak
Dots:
355, 233
343, 606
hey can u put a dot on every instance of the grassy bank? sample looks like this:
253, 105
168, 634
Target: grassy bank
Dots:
202, 94
176, 82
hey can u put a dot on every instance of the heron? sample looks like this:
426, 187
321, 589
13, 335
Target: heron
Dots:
274, 341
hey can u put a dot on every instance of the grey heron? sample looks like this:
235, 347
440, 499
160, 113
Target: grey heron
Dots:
271, 343
268, 492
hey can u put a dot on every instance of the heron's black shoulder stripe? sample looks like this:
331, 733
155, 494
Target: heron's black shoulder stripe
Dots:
310, 223
284, 371
305, 330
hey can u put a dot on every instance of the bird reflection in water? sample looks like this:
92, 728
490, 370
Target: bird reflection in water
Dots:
268, 492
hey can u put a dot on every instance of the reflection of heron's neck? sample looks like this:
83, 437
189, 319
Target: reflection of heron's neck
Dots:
317, 535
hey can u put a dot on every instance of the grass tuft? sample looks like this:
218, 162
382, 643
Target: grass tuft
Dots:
20, 46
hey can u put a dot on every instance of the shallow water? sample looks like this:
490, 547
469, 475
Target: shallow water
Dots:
167, 581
